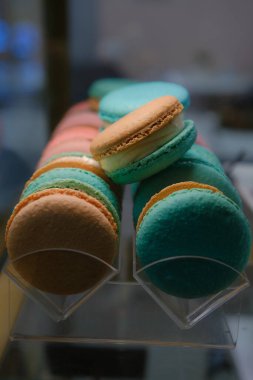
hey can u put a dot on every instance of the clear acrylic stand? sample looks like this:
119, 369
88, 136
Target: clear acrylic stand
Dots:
127, 309
186, 312
60, 307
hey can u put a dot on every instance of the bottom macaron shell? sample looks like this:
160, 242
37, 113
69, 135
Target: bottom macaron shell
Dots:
193, 223
61, 221
158, 160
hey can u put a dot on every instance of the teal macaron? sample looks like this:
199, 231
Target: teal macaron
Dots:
198, 164
120, 102
192, 240
145, 141
76, 179
104, 86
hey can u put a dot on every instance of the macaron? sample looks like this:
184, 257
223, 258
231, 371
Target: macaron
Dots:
102, 87
84, 133
51, 234
80, 147
119, 103
198, 165
78, 162
145, 141
192, 240
76, 179
79, 119
79, 107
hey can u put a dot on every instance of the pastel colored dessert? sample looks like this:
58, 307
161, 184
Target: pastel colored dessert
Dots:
79, 146
79, 107
203, 234
57, 264
102, 87
79, 119
59, 216
125, 100
76, 179
74, 133
198, 165
79, 162
145, 141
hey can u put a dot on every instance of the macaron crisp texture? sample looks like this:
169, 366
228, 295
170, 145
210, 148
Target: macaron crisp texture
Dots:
198, 221
61, 210
145, 141
49, 235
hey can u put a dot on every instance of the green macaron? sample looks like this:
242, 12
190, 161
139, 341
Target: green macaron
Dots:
192, 241
77, 179
198, 164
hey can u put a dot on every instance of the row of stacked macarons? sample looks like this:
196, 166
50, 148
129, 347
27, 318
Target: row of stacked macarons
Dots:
68, 214
181, 196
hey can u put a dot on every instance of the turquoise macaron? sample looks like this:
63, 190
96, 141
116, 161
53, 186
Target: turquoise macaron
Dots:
76, 179
192, 241
198, 164
104, 86
120, 102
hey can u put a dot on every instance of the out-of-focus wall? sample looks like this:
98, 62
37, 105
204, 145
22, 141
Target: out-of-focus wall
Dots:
147, 36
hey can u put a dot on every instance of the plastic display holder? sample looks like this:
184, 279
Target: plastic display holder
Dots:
60, 307
127, 308
187, 312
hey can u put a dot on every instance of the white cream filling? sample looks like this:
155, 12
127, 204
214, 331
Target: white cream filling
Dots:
90, 161
144, 147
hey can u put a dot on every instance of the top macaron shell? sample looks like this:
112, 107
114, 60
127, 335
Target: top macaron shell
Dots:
193, 222
104, 86
125, 100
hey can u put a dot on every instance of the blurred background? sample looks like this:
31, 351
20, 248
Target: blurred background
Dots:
50, 53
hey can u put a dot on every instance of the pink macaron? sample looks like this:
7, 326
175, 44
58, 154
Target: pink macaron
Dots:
79, 119
73, 133
79, 107
77, 146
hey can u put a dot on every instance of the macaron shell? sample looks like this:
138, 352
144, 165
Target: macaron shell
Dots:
73, 133
193, 222
125, 100
79, 119
74, 225
181, 171
79, 107
63, 155
102, 87
164, 193
83, 163
136, 126
71, 177
158, 160
200, 154
65, 147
